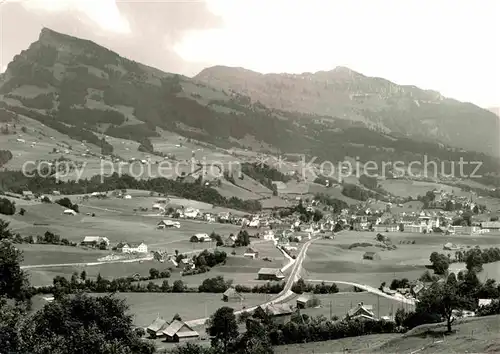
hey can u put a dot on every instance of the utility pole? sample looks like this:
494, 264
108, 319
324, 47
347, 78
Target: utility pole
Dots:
378, 306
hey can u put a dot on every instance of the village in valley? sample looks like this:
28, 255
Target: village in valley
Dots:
237, 212
365, 260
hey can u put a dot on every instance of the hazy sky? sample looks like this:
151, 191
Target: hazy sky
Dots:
447, 45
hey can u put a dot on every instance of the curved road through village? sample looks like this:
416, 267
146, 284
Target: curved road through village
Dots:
286, 293
283, 295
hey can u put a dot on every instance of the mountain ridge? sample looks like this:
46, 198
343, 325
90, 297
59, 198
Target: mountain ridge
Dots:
377, 102
87, 91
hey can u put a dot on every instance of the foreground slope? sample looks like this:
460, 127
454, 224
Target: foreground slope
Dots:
477, 336
376, 102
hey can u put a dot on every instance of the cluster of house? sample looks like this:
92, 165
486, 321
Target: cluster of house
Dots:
121, 247
416, 222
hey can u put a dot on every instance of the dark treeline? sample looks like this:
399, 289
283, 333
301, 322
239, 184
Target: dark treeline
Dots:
300, 286
5, 156
264, 174
132, 284
303, 328
442, 299
16, 181
476, 257
336, 204
356, 192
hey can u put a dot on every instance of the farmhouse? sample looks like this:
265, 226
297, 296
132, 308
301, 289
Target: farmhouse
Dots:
158, 207
270, 274
268, 235
179, 331
190, 213
417, 289
385, 228
98, 194
132, 247
491, 225
200, 238
415, 229
230, 241
155, 329
232, 295
450, 247
27, 194
165, 224
69, 212
94, 241
306, 300
280, 313
361, 311
484, 302
372, 256
251, 253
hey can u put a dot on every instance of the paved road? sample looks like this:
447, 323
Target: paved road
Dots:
368, 288
283, 295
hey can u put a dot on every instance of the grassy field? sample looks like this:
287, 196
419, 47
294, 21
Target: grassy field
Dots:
228, 190
478, 335
51, 254
333, 260
475, 335
147, 306
406, 188
344, 345
237, 268
115, 225
333, 192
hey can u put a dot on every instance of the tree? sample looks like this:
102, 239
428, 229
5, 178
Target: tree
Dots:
178, 286
83, 275
191, 348
13, 281
5, 232
154, 273
10, 316
440, 263
223, 328
22, 211
243, 239
474, 261
442, 299
7, 207
317, 216
255, 340
82, 324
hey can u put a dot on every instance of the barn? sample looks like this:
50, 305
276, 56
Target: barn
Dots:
372, 256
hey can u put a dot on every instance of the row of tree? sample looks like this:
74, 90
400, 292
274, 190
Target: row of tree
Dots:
16, 181
474, 259
446, 299
137, 284
300, 286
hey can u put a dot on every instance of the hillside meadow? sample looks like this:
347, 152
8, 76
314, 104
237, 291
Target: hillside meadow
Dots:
338, 260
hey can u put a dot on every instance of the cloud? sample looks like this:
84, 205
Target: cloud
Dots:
140, 30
